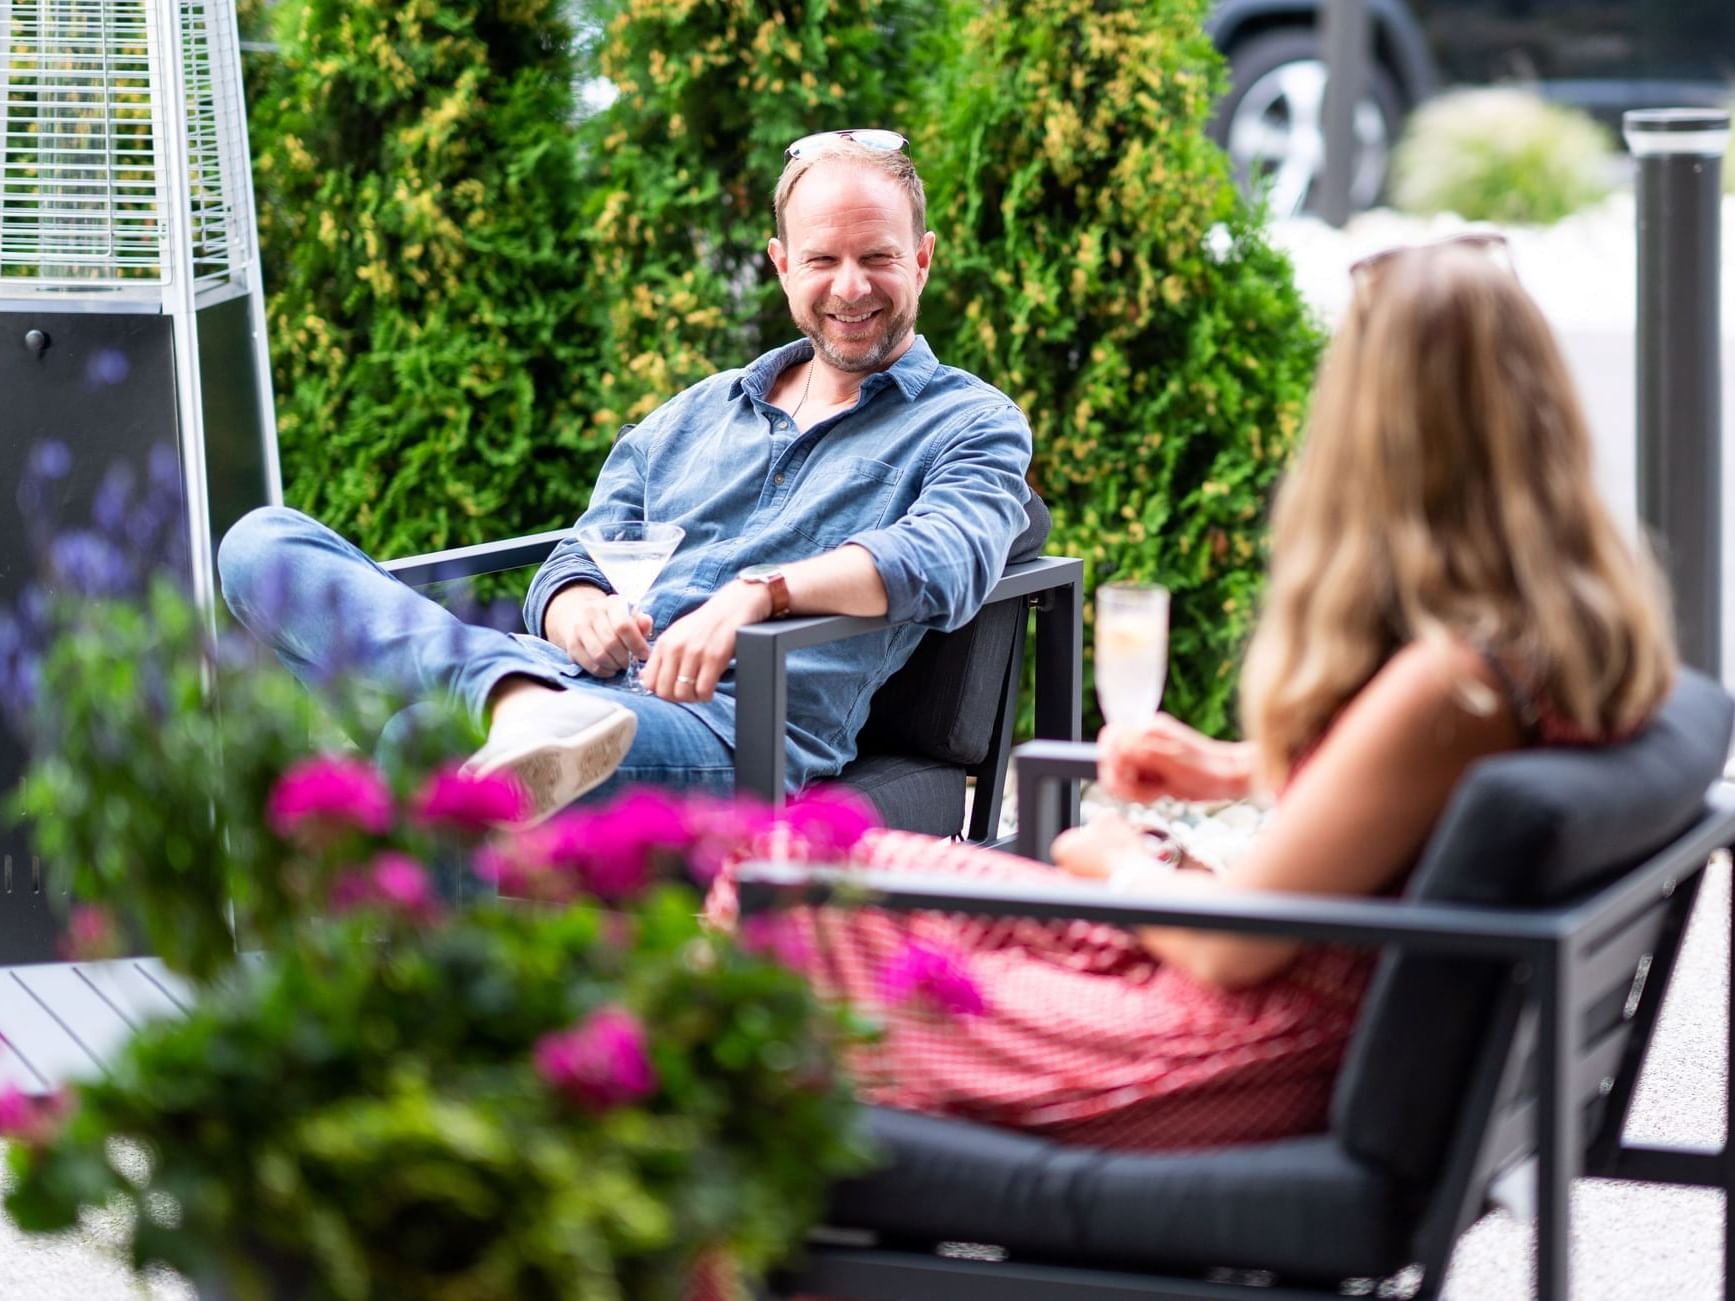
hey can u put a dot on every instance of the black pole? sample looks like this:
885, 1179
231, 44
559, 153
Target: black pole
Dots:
1345, 42
1680, 410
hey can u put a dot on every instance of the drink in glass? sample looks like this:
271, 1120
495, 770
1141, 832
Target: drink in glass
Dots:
1132, 649
631, 555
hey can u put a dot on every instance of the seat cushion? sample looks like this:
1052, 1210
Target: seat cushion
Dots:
942, 704
911, 793
1297, 1206
1532, 827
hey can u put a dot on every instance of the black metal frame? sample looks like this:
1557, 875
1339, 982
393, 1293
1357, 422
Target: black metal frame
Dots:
1051, 586
1560, 961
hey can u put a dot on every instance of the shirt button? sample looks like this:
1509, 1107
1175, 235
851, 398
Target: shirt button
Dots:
777, 478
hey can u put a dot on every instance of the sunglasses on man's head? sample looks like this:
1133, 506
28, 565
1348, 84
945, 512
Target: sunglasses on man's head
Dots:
1491, 242
868, 137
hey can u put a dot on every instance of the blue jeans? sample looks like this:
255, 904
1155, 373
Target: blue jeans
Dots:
325, 608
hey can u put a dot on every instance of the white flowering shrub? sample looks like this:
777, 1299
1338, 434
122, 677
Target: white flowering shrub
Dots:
1501, 154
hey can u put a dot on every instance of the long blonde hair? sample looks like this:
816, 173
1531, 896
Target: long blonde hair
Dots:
1444, 490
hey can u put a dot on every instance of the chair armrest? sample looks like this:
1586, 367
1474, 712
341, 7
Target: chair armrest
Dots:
1458, 928
761, 666
472, 562
1040, 765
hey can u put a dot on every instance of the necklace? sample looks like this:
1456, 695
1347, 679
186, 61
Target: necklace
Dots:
805, 390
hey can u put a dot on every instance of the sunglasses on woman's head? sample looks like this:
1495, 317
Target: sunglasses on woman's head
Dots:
868, 137
1491, 242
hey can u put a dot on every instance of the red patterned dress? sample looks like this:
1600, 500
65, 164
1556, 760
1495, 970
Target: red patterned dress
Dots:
1085, 1038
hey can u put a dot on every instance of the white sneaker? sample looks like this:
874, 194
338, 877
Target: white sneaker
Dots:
570, 745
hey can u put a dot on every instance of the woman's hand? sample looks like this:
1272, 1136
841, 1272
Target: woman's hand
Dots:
1095, 849
1166, 757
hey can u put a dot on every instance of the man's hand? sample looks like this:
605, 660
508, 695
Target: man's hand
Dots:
596, 629
694, 650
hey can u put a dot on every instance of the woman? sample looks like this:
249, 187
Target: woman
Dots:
1445, 585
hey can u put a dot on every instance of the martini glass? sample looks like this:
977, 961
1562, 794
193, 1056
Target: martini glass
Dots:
631, 555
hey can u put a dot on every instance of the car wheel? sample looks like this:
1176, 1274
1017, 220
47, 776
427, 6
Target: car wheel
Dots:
1272, 122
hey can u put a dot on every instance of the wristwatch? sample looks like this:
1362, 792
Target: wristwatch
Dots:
770, 577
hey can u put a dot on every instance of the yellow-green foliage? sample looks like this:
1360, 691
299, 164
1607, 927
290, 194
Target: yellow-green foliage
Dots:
1098, 266
687, 159
1500, 154
421, 213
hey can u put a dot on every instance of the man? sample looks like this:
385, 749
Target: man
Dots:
846, 473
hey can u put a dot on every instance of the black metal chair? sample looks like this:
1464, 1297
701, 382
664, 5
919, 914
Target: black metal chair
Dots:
945, 716
1515, 999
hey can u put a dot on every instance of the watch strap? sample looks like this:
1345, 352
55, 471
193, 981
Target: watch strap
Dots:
774, 584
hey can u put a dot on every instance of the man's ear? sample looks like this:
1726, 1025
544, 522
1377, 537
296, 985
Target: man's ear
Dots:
924, 258
779, 256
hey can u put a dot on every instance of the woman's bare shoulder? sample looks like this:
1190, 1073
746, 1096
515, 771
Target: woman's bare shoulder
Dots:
1445, 680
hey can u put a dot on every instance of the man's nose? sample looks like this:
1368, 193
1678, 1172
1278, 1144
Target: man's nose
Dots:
850, 282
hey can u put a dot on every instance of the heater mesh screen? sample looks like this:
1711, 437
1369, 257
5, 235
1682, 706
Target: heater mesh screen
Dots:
83, 199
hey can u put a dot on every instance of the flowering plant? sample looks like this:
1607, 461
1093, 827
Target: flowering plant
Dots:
575, 1095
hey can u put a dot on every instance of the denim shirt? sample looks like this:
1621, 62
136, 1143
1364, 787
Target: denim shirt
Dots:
926, 472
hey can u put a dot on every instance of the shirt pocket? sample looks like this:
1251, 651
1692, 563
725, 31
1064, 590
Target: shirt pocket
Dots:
841, 498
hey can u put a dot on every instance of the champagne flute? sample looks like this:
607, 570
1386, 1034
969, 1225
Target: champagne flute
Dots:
631, 555
1132, 649
1132, 653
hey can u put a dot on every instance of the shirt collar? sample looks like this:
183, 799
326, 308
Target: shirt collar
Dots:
910, 373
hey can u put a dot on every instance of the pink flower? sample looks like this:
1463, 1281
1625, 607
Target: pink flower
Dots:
32, 1120
601, 1063
931, 977
613, 853
776, 936
466, 802
91, 934
327, 794
723, 831
395, 883
520, 868
830, 819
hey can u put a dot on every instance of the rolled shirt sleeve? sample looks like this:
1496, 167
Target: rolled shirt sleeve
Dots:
939, 561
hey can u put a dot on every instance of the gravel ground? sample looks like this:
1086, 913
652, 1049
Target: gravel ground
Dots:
1631, 1243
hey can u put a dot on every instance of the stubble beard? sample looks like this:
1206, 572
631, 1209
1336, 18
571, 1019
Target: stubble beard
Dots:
897, 329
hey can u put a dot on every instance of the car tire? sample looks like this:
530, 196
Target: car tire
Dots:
1271, 122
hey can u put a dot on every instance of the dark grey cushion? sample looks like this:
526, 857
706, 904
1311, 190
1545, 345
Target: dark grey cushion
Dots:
943, 702
1298, 1206
1536, 826
911, 793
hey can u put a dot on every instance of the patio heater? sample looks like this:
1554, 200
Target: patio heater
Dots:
131, 312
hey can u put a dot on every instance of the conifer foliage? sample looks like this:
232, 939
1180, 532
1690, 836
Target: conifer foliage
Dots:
1097, 264
421, 211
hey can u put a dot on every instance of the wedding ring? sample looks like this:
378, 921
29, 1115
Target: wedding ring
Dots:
682, 677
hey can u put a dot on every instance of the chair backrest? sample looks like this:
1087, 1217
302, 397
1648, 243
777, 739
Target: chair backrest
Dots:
943, 703
1533, 827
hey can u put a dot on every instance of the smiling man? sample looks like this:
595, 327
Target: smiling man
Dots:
848, 472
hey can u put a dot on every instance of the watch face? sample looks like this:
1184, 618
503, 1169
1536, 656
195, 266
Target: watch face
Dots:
755, 573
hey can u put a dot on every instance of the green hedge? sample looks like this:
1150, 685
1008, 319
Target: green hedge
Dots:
1097, 264
422, 216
